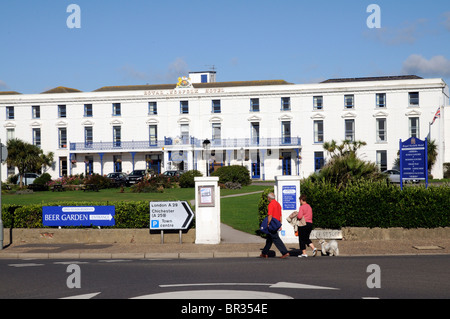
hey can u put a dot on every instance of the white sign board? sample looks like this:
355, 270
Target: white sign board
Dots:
170, 215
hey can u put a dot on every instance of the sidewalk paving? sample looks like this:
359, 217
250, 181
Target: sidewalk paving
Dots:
234, 244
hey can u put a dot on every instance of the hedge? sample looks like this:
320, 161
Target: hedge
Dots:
377, 204
374, 204
127, 215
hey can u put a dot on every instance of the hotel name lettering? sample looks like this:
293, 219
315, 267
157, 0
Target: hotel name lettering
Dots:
184, 92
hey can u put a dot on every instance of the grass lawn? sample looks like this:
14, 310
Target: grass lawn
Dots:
239, 212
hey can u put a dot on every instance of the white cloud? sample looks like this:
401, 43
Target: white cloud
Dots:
175, 69
446, 23
418, 65
129, 71
3, 85
408, 33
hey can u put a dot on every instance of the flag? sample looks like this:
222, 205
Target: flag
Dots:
437, 115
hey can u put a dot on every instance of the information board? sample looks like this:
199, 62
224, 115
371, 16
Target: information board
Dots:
289, 197
78, 215
413, 160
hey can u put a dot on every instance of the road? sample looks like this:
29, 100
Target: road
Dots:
251, 278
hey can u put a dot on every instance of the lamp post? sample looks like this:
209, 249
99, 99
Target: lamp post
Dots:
206, 145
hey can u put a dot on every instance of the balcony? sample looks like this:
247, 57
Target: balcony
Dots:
175, 143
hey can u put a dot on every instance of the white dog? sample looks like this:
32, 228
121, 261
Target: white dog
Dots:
329, 249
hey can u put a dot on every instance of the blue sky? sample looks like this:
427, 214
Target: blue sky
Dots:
139, 42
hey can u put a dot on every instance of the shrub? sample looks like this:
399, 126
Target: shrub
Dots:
234, 174
99, 180
43, 179
187, 179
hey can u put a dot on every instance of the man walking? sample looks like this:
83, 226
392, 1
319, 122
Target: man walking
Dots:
274, 211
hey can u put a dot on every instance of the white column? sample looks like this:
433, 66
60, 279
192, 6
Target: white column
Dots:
207, 210
287, 193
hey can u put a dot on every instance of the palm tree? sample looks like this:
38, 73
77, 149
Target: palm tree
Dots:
345, 166
26, 157
431, 154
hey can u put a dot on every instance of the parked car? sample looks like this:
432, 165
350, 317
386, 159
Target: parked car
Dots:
173, 173
117, 179
136, 176
28, 178
393, 175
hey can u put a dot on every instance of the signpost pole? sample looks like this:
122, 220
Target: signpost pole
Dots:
2, 154
401, 166
426, 162
1, 221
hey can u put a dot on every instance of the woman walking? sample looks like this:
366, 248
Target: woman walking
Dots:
305, 231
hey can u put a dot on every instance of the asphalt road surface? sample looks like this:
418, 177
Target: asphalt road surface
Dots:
260, 280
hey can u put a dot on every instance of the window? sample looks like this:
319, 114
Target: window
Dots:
285, 103
350, 130
117, 136
318, 131
216, 133
37, 137
317, 102
382, 160
10, 134
88, 165
116, 109
255, 133
184, 107
62, 166
61, 111
254, 105
152, 108
62, 137
349, 101
319, 161
184, 130
36, 112
381, 100
414, 99
153, 134
414, 127
286, 132
88, 112
10, 112
88, 136
216, 106
381, 130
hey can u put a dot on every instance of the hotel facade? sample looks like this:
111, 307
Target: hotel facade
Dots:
271, 127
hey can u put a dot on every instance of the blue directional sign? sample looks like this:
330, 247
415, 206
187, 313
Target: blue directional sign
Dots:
169, 215
78, 215
413, 160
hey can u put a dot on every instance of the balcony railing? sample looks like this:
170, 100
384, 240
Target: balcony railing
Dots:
173, 143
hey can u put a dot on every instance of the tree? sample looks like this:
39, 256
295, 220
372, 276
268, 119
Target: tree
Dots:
26, 157
345, 166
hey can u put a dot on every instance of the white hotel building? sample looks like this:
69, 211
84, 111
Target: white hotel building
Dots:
271, 127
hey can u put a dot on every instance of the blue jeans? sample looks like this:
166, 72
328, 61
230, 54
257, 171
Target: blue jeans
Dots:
273, 238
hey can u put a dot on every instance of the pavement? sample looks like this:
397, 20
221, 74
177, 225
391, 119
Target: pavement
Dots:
234, 244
